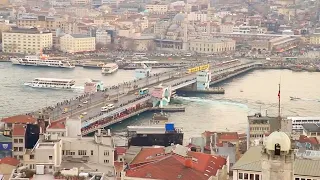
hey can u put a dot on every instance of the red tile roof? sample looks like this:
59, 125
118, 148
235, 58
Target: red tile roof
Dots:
10, 161
120, 150
168, 168
22, 119
228, 136
60, 124
305, 139
18, 130
118, 166
147, 155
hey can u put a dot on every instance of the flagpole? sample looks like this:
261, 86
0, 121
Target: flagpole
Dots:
279, 102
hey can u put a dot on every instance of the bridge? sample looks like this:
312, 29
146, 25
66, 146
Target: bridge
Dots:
131, 104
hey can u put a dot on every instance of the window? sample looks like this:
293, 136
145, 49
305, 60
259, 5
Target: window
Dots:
20, 148
82, 152
91, 152
20, 140
257, 177
20, 157
67, 152
106, 153
251, 176
297, 178
31, 156
245, 176
50, 167
15, 149
15, 140
106, 161
50, 157
62, 152
240, 175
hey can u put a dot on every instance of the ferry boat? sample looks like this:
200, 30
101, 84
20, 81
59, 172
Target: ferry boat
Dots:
43, 60
51, 83
109, 68
294, 98
93, 65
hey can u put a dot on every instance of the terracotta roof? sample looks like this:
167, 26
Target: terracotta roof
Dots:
60, 124
168, 168
23, 119
10, 161
207, 163
118, 166
120, 150
228, 136
18, 130
147, 155
305, 139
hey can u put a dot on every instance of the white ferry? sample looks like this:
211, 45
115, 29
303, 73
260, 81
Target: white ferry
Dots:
51, 83
43, 60
110, 68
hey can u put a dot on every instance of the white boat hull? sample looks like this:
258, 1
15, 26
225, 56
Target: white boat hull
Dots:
33, 85
110, 72
18, 61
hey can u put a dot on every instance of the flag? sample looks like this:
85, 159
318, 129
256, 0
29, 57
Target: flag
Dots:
279, 92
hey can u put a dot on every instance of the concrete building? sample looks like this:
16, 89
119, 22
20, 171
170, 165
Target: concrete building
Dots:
157, 8
283, 43
18, 140
197, 16
26, 40
80, 2
311, 130
275, 160
144, 43
48, 22
314, 39
73, 43
103, 37
210, 46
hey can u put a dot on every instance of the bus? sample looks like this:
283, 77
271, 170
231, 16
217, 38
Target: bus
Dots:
143, 91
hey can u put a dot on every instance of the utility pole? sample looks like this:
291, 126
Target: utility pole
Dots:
279, 102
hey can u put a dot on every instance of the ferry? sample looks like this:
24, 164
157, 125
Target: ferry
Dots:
44, 61
109, 68
294, 98
51, 83
93, 65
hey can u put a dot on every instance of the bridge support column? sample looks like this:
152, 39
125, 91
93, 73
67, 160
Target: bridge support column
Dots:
143, 72
203, 80
161, 96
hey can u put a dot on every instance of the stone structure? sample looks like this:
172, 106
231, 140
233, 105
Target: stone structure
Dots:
277, 157
161, 96
203, 79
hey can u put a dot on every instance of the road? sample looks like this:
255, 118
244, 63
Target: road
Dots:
97, 100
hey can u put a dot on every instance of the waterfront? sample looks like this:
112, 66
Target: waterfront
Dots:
229, 111
17, 98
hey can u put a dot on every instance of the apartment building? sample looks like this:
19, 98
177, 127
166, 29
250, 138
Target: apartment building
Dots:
18, 140
48, 22
157, 8
73, 43
26, 40
210, 46
80, 2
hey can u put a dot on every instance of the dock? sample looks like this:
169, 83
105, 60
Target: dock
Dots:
168, 109
205, 91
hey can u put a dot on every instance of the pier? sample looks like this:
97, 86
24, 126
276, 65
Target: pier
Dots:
127, 102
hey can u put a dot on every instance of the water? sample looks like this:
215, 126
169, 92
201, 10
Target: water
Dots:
256, 91
17, 98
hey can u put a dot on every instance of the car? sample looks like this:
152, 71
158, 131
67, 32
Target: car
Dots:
85, 102
80, 105
84, 113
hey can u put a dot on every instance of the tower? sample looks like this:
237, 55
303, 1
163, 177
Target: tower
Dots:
277, 157
185, 29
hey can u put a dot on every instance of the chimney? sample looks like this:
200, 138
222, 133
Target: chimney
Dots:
188, 162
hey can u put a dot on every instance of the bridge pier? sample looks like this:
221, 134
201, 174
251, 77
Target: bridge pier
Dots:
143, 72
160, 96
203, 80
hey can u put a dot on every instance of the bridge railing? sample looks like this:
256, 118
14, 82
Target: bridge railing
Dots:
113, 112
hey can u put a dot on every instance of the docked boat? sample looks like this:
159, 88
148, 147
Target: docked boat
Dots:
159, 118
93, 65
44, 61
51, 83
109, 68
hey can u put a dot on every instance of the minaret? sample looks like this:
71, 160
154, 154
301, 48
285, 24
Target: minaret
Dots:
185, 28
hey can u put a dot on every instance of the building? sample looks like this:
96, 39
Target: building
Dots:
49, 22
298, 122
103, 37
211, 46
157, 8
275, 160
18, 140
26, 40
260, 125
283, 43
5, 146
311, 130
144, 43
7, 165
176, 162
19, 119
73, 43
80, 2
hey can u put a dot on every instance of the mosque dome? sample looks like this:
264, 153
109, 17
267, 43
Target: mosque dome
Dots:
173, 27
22, 9
179, 17
278, 138
52, 11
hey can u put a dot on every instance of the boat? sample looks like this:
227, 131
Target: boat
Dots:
93, 65
159, 118
51, 83
44, 61
294, 98
109, 68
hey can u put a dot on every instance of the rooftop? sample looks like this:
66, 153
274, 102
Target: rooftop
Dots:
57, 124
30, 30
311, 127
10, 161
5, 138
22, 119
251, 161
18, 130
79, 35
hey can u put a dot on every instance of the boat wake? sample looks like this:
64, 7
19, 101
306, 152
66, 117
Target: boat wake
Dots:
215, 102
78, 88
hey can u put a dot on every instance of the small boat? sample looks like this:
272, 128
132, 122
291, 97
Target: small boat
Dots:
294, 98
93, 65
51, 83
159, 118
109, 68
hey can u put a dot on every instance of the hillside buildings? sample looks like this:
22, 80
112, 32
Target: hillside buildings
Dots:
73, 43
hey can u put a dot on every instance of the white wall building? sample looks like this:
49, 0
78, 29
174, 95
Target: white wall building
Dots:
102, 37
197, 16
